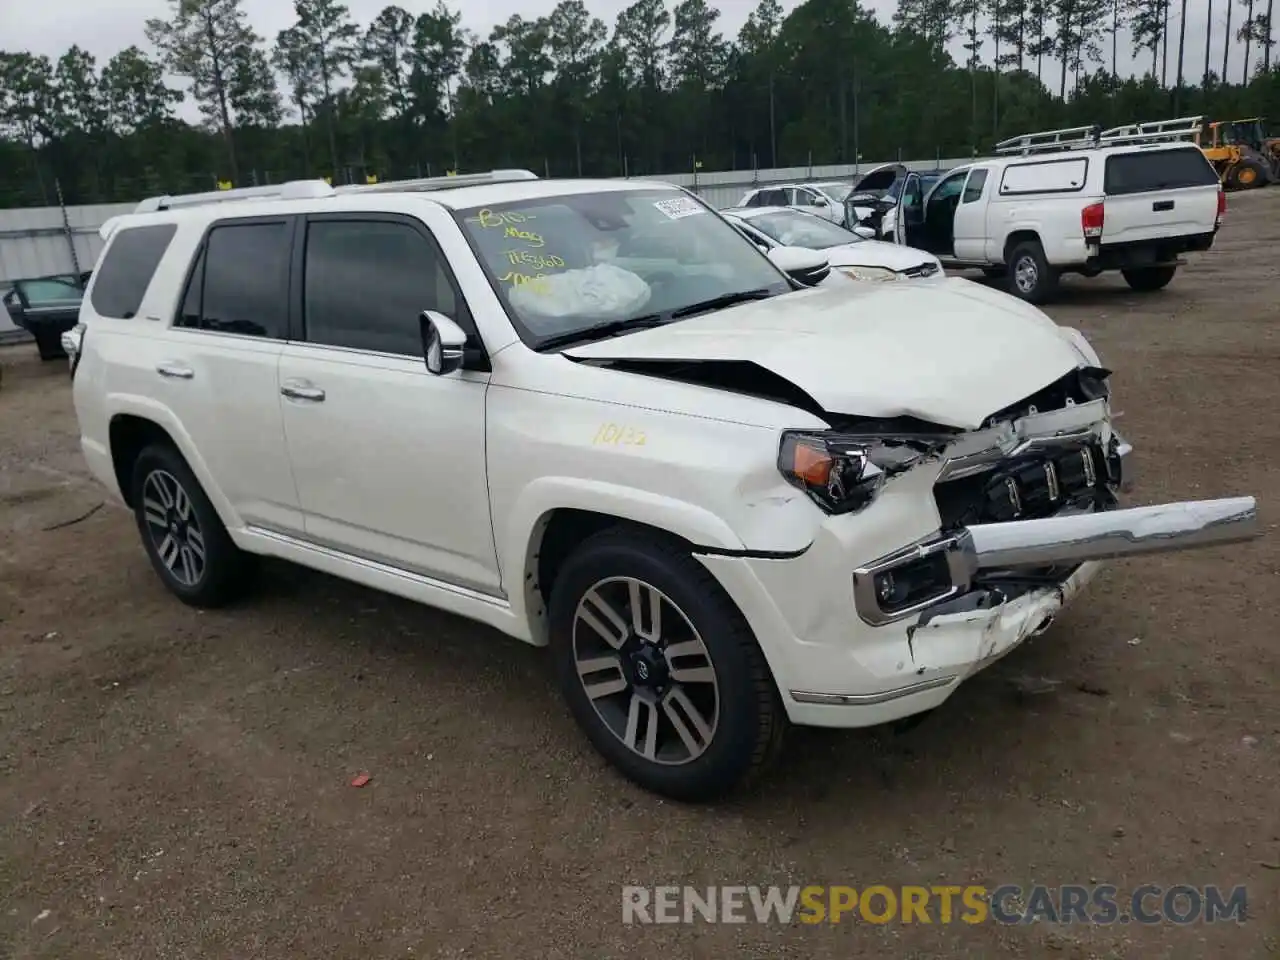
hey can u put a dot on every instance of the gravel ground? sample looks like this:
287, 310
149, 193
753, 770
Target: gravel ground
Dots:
175, 783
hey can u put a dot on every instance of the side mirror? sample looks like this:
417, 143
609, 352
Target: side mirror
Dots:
442, 342
820, 202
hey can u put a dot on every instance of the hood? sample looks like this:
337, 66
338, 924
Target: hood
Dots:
951, 353
875, 253
880, 178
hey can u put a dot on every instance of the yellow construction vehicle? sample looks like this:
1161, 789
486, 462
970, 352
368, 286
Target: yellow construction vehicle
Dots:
1252, 133
1230, 147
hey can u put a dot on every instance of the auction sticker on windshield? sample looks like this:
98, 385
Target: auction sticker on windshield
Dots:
679, 208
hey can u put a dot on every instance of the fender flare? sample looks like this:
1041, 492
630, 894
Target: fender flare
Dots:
516, 546
145, 408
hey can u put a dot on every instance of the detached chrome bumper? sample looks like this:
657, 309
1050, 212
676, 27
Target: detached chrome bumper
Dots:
1053, 541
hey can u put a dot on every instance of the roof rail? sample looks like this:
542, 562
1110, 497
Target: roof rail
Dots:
1180, 128
290, 190
440, 183
1068, 138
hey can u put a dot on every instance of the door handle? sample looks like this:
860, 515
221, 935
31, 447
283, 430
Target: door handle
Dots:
300, 390
174, 370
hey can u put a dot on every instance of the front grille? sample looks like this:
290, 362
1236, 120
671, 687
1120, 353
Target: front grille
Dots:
921, 271
1025, 488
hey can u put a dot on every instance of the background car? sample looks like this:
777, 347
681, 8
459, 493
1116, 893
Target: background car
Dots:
46, 307
847, 252
824, 199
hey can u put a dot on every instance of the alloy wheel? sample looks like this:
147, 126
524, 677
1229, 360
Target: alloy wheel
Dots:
646, 670
173, 527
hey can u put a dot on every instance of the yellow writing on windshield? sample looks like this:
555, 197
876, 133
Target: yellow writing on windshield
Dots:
489, 218
528, 236
539, 261
536, 283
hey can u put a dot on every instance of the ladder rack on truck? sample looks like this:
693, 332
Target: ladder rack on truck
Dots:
1092, 137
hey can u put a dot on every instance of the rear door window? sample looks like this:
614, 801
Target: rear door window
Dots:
127, 268
1148, 170
240, 283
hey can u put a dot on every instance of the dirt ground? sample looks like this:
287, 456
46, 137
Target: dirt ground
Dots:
175, 783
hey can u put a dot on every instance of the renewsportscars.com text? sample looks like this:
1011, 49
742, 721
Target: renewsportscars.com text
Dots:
971, 904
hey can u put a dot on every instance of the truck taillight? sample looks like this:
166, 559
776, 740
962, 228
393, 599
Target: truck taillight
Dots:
1222, 207
1091, 221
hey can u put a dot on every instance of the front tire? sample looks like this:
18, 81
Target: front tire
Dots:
183, 535
1030, 276
660, 669
1148, 279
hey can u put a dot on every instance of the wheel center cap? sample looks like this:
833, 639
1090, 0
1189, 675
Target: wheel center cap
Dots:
648, 668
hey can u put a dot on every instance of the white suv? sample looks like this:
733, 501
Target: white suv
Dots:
592, 415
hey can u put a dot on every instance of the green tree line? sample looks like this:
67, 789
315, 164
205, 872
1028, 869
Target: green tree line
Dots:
662, 90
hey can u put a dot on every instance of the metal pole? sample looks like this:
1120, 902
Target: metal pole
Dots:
66, 226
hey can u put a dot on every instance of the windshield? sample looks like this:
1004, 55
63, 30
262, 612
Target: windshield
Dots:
792, 228
568, 263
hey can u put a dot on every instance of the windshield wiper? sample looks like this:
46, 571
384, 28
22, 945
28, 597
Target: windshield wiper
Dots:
600, 330
720, 302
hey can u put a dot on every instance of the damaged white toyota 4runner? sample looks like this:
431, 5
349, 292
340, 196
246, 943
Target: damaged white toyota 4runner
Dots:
592, 415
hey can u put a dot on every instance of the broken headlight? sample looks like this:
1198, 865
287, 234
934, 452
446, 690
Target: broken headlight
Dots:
880, 274
842, 473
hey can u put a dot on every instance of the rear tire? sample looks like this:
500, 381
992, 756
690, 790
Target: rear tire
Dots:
1149, 279
183, 535
693, 725
1030, 276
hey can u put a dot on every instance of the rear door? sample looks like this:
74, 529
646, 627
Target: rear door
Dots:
1158, 194
216, 367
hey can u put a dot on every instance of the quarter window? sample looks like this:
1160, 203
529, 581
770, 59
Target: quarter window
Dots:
367, 282
126, 271
240, 283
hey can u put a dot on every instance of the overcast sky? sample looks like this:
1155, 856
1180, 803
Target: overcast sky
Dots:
103, 28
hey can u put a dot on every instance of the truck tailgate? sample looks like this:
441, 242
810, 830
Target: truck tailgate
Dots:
1159, 194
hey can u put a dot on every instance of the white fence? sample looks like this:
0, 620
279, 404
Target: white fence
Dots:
40, 241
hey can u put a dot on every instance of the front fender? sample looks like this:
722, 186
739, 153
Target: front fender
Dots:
542, 496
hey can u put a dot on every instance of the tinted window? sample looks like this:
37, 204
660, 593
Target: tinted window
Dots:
240, 282
367, 283
1158, 170
127, 268
773, 198
973, 186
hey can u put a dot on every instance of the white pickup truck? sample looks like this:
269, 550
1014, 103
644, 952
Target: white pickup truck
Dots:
1064, 201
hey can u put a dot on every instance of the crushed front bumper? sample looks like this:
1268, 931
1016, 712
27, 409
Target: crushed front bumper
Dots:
842, 657
1054, 542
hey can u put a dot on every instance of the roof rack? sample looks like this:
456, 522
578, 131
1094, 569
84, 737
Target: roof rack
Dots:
290, 190
452, 182
1068, 138
1084, 138
1180, 128
318, 189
